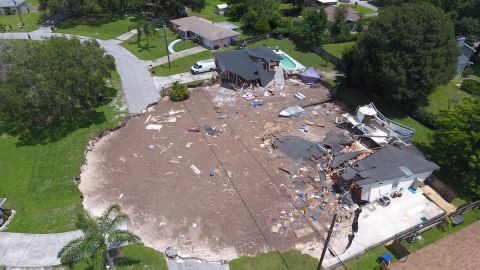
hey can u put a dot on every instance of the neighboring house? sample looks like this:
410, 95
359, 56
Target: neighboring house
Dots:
352, 15
325, 3
205, 32
466, 52
385, 171
7, 7
249, 65
221, 9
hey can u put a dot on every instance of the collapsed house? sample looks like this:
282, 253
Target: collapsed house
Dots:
388, 170
248, 65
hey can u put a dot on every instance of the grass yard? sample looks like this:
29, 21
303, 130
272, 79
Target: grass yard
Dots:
290, 260
361, 9
368, 260
135, 257
37, 179
156, 45
209, 12
101, 28
304, 56
439, 99
435, 234
183, 64
338, 49
30, 20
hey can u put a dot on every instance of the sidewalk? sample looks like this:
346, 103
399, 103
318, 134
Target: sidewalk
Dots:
124, 37
33, 250
167, 81
177, 55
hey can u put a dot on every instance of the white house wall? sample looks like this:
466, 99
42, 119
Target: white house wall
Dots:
374, 191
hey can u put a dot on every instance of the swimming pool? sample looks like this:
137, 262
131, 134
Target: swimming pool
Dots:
287, 62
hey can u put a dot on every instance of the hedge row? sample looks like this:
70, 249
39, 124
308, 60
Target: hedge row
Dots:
471, 86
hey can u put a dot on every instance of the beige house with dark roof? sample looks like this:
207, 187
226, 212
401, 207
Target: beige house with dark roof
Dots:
207, 33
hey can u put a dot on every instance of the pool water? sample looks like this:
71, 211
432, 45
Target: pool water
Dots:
287, 62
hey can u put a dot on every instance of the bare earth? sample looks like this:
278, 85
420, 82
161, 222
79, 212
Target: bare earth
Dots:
210, 217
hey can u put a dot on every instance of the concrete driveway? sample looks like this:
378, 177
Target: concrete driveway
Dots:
137, 83
33, 250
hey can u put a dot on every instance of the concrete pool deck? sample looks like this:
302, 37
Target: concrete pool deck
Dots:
298, 66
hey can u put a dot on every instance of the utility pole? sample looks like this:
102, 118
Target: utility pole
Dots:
319, 266
166, 45
18, 12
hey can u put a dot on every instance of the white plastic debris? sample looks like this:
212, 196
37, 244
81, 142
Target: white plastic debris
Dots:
195, 169
154, 127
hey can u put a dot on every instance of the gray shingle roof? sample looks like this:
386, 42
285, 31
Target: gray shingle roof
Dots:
386, 164
240, 62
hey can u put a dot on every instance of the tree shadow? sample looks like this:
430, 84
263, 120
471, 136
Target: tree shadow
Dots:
30, 133
125, 261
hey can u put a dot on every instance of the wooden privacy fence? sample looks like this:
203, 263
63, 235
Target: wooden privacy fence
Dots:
253, 39
445, 191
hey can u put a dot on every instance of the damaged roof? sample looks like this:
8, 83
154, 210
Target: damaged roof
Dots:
386, 164
240, 62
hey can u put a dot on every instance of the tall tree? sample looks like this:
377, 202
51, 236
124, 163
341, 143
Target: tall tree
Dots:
340, 29
312, 31
144, 28
47, 80
405, 53
99, 233
457, 143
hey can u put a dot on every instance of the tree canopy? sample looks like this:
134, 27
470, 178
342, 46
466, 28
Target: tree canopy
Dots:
47, 80
405, 53
340, 29
457, 143
312, 31
260, 16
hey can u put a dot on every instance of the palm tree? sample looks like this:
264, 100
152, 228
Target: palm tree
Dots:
143, 27
99, 233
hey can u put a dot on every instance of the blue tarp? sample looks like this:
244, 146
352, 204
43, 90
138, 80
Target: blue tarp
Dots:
386, 257
310, 75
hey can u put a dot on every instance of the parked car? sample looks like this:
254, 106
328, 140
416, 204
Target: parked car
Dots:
384, 201
203, 66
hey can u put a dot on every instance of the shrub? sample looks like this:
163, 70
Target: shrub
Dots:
471, 86
425, 117
179, 92
445, 225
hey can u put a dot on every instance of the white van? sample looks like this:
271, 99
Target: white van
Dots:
203, 66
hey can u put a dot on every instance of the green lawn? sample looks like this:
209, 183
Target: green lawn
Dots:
29, 19
439, 98
290, 260
37, 179
209, 12
368, 260
184, 45
101, 28
135, 257
338, 49
361, 9
156, 45
183, 64
435, 234
302, 55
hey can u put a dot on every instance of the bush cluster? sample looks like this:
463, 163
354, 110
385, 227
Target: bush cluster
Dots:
179, 92
471, 86
425, 117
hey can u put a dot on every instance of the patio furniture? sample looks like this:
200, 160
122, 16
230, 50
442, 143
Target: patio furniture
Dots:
386, 257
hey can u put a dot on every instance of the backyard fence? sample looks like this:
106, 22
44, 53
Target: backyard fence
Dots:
330, 57
245, 41
443, 190
417, 229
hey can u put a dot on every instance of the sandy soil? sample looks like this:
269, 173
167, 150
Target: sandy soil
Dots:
210, 217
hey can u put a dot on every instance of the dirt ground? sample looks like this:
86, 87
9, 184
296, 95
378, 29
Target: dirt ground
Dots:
228, 208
